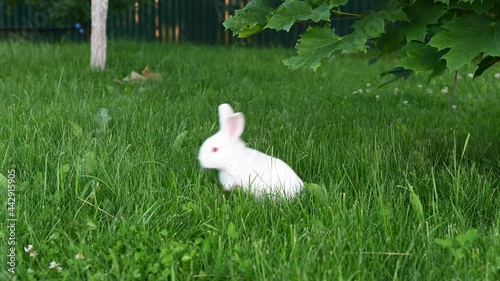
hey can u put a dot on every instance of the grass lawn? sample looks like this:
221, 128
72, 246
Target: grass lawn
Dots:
108, 186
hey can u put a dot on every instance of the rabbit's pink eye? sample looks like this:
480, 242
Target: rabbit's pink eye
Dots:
214, 149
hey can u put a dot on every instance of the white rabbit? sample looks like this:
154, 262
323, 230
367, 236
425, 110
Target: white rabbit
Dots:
240, 166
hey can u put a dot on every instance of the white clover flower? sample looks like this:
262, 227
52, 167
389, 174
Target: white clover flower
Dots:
429, 91
360, 91
444, 91
29, 248
368, 85
497, 75
79, 256
396, 90
454, 107
377, 97
420, 86
354, 92
56, 266
470, 75
31, 251
30, 271
405, 102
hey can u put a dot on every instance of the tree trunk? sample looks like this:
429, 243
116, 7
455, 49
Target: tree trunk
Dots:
98, 40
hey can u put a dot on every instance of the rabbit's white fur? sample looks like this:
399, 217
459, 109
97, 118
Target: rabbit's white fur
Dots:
240, 166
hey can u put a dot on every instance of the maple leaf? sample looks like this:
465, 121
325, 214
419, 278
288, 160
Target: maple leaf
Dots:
421, 57
294, 11
320, 42
466, 38
251, 19
317, 43
420, 15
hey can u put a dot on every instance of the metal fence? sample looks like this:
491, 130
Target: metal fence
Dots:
197, 21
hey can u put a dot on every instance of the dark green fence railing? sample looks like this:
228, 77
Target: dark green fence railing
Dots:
197, 21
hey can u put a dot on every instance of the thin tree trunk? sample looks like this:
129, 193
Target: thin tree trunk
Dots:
452, 96
98, 40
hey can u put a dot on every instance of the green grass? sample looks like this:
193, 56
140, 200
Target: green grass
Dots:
133, 200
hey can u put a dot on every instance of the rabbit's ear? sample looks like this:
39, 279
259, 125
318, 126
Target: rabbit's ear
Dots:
224, 111
234, 125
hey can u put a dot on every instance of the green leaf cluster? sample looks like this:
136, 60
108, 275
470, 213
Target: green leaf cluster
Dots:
261, 14
460, 247
430, 36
